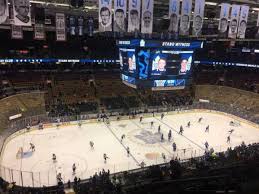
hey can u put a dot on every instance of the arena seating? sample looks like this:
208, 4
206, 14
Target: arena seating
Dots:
27, 104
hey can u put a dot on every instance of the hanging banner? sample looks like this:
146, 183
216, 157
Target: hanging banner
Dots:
234, 18
198, 17
174, 8
4, 11
22, 12
90, 26
134, 15
185, 17
147, 16
39, 32
120, 12
243, 21
72, 25
60, 27
17, 32
224, 14
258, 19
105, 16
80, 24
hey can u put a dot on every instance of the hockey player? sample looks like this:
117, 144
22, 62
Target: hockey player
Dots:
28, 127
181, 130
163, 156
228, 139
59, 178
54, 158
199, 119
122, 137
152, 123
162, 137
162, 116
74, 168
174, 146
206, 145
207, 128
79, 123
231, 131
159, 129
105, 157
189, 124
91, 144
128, 151
142, 164
32, 147
169, 135
140, 119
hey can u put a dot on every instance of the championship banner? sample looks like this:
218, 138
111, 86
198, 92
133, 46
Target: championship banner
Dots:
105, 15
120, 12
4, 10
174, 8
22, 12
17, 32
258, 19
60, 27
80, 24
198, 17
185, 17
134, 15
243, 21
232, 32
147, 16
39, 32
224, 14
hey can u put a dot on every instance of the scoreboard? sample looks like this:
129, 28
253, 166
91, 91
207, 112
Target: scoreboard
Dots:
160, 65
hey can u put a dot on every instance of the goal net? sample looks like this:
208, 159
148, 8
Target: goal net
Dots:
19, 153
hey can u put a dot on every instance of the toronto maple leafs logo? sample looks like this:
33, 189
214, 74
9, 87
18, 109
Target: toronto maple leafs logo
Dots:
148, 137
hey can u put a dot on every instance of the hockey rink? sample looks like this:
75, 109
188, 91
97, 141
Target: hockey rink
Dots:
70, 144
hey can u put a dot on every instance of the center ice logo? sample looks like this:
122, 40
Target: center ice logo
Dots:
148, 137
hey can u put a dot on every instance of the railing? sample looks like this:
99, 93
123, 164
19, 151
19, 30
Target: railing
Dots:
48, 177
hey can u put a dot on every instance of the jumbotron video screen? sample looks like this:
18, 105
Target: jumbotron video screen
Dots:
156, 64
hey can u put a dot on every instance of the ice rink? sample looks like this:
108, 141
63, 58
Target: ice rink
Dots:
70, 143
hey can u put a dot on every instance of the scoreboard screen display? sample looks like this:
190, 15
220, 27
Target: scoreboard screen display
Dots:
157, 64
170, 63
128, 61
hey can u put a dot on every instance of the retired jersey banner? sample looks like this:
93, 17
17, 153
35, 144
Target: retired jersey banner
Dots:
72, 25
39, 32
174, 8
224, 15
80, 24
4, 10
198, 17
134, 15
60, 27
147, 16
243, 21
105, 15
232, 32
17, 32
22, 12
185, 17
120, 12
90, 26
